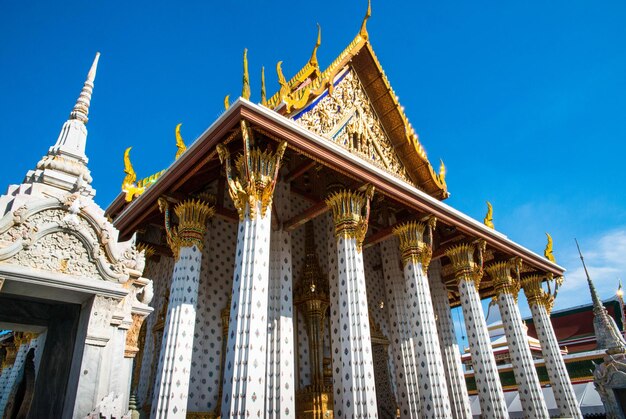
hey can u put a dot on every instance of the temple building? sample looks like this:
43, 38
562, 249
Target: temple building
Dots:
302, 259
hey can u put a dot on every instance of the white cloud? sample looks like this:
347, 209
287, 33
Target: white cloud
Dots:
605, 257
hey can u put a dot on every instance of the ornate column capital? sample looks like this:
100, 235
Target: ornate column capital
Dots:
412, 245
464, 264
503, 281
350, 221
193, 215
535, 294
257, 174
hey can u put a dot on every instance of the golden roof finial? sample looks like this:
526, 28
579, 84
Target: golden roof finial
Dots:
281, 77
245, 91
489, 217
226, 102
128, 184
368, 14
548, 250
180, 144
313, 60
263, 97
442, 170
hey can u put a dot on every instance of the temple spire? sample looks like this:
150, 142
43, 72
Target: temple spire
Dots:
313, 60
368, 14
81, 108
607, 334
245, 91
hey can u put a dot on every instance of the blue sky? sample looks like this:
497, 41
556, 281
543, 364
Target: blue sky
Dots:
524, 101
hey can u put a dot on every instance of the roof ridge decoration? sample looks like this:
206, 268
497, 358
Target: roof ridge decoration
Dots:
306, 86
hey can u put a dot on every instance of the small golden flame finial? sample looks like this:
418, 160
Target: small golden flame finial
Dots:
281, 77
489, 216
226, 102
368, 14
263, 97
180, 144
245, 91
313, 60
548, 250
442, 170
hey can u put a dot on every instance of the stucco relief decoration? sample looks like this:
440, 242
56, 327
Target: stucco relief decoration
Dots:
347, 118
69, 235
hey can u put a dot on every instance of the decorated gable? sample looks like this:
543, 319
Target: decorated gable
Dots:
347, 118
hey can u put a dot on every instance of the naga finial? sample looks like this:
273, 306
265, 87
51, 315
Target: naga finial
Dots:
81, 108
263, 97
548, 250
281, 77
313, 60
180, 144
368, 14
226, 102
489, 216
128, 184
442, 170
245, 91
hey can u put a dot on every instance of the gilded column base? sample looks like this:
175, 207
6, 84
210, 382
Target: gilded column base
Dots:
314, 402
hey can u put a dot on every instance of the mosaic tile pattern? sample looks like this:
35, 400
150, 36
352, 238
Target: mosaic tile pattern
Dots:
11, 376
451, 355
490, 395
336, 317
407, 388
433, 390
215, 287
172, 383
524, 370
161, 274
359, 391
244, 373
280, 385
559, 378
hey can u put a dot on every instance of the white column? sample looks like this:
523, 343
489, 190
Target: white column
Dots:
468, 275
359, 391
280, 392
335, 323
244, 385
171, 388
528, 387
457, 388
401, 339
416, 254
540, 303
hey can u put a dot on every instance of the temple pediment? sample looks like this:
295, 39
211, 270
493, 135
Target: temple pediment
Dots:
354, 96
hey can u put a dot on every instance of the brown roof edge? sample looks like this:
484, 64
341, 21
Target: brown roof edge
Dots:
335, 157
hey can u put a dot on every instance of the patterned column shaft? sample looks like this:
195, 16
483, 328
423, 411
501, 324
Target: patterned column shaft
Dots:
359, 392
280, 363
468, 275
171, 387
335, 320
433, 390
401, 339
540, 303
529, 388
244, 386
457, 388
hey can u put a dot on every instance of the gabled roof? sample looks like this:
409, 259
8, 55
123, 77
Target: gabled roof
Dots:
309, 84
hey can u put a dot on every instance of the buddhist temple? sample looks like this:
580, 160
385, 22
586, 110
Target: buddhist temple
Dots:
297, 259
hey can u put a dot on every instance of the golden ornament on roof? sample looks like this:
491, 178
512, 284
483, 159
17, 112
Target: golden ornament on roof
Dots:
548, 250
489, 217
128, 184
180, 144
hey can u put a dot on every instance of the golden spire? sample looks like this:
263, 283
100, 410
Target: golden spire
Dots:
489, 216
368, 14
180, 144
245, 92
548, 250
313, 60
226, 102
81, 108
263, 98
442, 169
